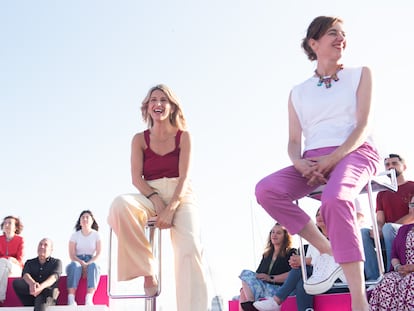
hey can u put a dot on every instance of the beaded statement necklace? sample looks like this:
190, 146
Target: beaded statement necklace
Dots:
327, 80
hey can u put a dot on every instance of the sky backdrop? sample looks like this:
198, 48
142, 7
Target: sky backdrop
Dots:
73, 75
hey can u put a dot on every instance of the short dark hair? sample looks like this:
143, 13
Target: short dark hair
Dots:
318, 27
394, 155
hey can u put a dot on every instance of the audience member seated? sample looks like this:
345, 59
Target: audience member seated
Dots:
395, 291
294, 282
38, 285
11, 252
392, 213
84, 251
272, 271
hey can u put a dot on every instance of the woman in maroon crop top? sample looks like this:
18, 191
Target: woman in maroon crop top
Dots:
160, 161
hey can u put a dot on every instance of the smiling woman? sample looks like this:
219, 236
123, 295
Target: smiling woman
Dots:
160, 161
338, 151
272, 271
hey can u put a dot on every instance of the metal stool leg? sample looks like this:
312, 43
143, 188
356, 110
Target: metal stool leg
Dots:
373, 184
151, 302
376, 234
153, 235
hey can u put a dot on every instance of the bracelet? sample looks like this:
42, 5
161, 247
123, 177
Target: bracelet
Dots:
151, 194
397, 266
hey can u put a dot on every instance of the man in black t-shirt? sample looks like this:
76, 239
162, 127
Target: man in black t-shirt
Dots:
38, 285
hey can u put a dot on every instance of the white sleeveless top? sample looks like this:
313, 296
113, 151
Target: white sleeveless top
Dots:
327, 115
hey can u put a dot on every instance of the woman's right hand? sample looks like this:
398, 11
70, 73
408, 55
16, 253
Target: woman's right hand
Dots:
309, 170
306, 167
158, 203
295, 261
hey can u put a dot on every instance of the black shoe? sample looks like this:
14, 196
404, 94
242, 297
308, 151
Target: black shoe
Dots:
248, 306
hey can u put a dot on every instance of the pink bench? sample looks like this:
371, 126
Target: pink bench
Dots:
325, 302
100, 297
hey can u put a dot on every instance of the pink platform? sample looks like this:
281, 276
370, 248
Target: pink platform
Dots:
100, 297
325, 302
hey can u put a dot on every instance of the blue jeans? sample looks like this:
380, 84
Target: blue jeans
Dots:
389, 231
74, 273
294, 285
371, 263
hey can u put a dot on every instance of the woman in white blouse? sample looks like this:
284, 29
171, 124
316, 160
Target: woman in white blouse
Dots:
84, 251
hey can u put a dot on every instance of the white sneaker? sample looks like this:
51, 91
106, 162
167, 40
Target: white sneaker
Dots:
89, 300
268, 304
325, 273
343, 278
71, 300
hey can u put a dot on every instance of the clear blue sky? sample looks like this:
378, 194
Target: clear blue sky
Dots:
73, 74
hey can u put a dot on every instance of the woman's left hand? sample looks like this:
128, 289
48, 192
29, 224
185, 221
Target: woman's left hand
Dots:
403, 270
324, 166
165, 218
263, 277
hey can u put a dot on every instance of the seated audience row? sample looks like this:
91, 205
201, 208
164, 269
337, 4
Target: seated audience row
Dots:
38, 283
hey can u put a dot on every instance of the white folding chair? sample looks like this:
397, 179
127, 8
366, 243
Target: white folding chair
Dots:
153, 235
375, 184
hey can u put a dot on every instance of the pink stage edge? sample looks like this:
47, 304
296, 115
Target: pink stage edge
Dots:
326, 302
100, 297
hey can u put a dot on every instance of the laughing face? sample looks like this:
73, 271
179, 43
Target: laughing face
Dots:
159, 107
332, 44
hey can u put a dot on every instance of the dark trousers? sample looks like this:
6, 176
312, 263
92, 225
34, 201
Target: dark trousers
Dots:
46, 298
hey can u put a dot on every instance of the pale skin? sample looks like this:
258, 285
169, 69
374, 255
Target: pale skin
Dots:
276, 236
86, 222
162, 141
44, 250
329, 49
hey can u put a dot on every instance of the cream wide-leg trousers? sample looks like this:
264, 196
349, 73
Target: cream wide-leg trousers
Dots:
7, 268
128, 216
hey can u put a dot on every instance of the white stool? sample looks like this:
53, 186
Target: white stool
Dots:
153, 235
375, 184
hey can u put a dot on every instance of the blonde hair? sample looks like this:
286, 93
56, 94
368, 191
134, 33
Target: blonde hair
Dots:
176, 118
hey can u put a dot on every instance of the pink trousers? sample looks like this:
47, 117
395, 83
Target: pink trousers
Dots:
278, 192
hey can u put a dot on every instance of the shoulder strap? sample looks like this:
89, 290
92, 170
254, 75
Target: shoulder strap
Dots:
178, 138
147, 137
